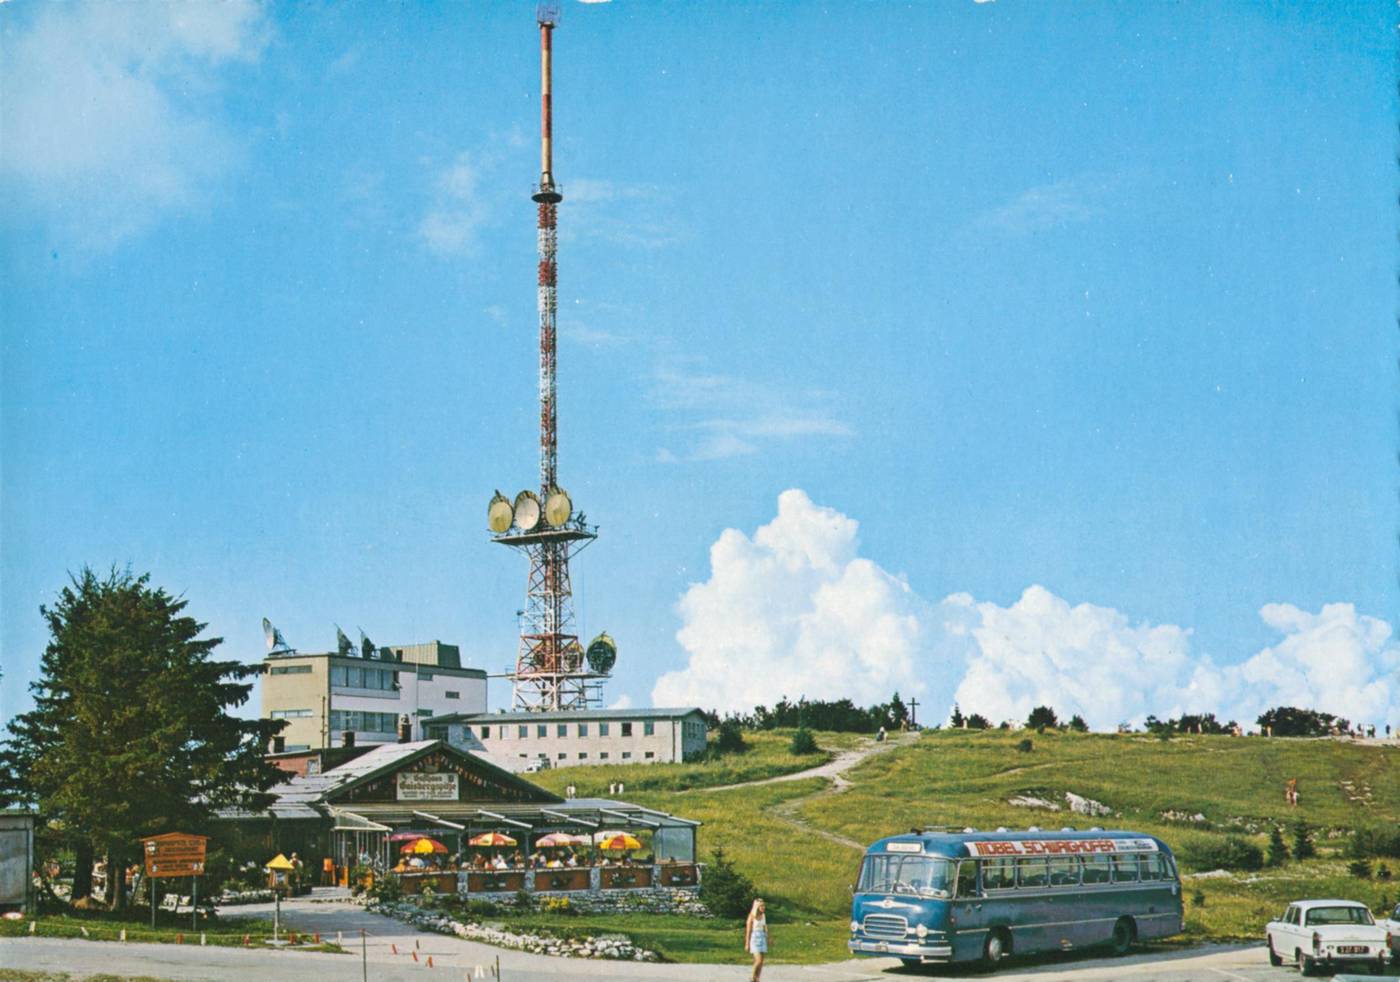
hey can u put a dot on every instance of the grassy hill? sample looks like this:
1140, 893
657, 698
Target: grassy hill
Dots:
1190, 791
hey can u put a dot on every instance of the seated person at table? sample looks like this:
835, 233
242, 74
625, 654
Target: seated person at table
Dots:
571, 860
498, 861
517, 859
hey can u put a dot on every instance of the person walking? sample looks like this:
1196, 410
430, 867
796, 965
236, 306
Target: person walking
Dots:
756, 936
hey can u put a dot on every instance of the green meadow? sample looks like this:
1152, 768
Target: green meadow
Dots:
1190, 791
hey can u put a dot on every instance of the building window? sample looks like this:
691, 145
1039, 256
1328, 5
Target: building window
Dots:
449, 694
650, 755
649, 728
423, 712
290, 669
363, 722
290, 713
522, 731
626, 755
562, 729
583, 729
626, 729
541, 730
355, 677
602, 729
485, 732
583, 756
436, 733
603, 755
562, 756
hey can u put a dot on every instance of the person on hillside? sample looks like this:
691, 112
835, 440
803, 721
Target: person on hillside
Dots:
756, 936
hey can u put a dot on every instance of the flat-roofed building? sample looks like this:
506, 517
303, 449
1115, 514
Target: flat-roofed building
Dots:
578, 736
325, 695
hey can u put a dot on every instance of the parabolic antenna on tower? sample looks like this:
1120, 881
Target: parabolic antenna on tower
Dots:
499, 514
602, 654
558, 509
527, 510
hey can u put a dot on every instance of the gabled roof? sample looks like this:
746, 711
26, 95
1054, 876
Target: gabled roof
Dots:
308, 796
565, 715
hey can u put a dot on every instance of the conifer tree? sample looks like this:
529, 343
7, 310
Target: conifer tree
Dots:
130, 733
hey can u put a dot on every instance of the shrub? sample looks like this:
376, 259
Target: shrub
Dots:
729, 738
480, 908
1369, 842
1231, 852
1302, 841
1042, 717
1360, 868
803, 742
1077, 724
976, 721
1198, 899
386, 889
1025, 746
524, 900
1383, 872
725, 890
1278, 850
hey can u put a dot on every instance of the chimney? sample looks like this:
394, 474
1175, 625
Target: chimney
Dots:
405, 729
347, 739
279, 745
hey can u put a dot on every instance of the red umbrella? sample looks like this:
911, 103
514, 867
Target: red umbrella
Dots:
423, 845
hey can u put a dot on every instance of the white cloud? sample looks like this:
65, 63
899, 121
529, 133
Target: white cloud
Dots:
795, 610
1041, 208
458, 211
110, 114
621, 702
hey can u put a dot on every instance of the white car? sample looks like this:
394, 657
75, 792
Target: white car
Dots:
1318, 934
1392, 926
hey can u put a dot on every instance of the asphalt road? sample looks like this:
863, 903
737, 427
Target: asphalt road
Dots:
389, 948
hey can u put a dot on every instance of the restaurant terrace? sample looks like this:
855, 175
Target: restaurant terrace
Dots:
431, 814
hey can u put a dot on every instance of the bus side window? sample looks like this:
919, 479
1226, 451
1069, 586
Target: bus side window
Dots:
1164, 867
1125, 869
1148, 867
1096, 869
1030, 873
1064, 871
967, 878
998, 874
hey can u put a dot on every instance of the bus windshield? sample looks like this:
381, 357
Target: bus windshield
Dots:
894, 873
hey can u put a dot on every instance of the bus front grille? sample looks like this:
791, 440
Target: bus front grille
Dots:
886, 926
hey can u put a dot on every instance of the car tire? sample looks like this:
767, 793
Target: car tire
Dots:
1307, 964
996, 948
1275, 959
1122, 938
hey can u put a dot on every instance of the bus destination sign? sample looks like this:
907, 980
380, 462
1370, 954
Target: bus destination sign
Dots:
174, 854
1061, 847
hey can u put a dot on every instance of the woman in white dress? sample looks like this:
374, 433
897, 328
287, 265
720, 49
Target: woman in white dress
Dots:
756, 936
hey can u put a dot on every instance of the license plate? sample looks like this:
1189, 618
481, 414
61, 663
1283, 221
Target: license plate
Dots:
1351, 949
882, 947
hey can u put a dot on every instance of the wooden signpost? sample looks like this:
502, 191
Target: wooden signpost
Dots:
175, 854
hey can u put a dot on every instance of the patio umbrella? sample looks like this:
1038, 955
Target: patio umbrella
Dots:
423, 845
554, 840
491, 839
405, 836
606, 834
620, 841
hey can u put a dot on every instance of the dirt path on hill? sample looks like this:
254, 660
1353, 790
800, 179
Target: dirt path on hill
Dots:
833, 770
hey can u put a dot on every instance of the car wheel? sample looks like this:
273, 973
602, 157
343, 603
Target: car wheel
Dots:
1275, 959
1307, 965
1122, 936
998, 946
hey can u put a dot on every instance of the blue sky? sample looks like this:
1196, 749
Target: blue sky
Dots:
1095, 298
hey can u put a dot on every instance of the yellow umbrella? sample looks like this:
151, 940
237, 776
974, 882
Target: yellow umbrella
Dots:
491, 839
621, 841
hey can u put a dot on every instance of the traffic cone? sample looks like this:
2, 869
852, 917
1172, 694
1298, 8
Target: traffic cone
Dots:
430, 961
414, 954
394, 947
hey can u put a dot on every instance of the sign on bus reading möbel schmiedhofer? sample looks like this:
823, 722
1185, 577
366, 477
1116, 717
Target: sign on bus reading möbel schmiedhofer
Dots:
174, 854
427, 787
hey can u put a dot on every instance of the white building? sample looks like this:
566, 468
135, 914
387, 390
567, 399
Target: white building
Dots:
573, 737
324, 696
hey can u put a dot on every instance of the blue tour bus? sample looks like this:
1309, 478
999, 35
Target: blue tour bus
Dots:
943, 896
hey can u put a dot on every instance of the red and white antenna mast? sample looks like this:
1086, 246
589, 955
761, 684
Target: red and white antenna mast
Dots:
550, 669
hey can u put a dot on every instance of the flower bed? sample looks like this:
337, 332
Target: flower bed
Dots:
616, 947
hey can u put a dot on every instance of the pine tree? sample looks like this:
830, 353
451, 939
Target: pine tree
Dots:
957, 721
1302, 841
1278, 850
130, 733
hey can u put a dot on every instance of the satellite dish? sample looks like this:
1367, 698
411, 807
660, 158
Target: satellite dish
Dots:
499, 514
602, 654
558, 509
273, 637
527, 510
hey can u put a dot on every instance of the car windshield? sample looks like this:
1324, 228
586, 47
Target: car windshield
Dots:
921, 875
1339, 915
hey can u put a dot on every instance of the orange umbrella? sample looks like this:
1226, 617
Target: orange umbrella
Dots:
555, 840
491, 839
423, 845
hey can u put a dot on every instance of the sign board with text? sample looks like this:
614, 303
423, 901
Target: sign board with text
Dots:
1060, 847
174, 854
426, 787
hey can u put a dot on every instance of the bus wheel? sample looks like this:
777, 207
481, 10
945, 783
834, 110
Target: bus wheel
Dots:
998, 946
1122, 936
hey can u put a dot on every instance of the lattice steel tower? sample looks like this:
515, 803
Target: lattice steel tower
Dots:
550, 669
